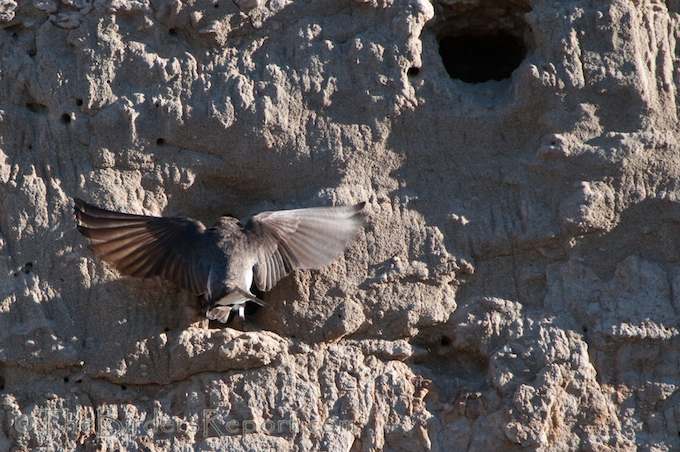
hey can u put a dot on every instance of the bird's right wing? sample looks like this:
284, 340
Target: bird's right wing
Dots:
146, 246
303, 238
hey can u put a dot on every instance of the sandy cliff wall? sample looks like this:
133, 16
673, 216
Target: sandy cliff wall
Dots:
517, 282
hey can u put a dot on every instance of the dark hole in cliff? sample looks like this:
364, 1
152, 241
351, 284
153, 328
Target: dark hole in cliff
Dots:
216, 5
484, 42
65, 379
478, 59
27, 267
172, 32
160, 142
252, 307
65, 118
2, 383
413, 71
36, 107
123, 387
445, 341
79, 102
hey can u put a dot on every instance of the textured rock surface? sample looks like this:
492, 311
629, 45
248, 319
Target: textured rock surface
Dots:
515, 287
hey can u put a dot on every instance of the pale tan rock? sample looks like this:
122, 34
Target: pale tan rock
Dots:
515, 285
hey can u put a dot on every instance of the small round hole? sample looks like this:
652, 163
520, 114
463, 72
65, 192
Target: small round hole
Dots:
79, 102
413, 71
160, 142
123, 387
445, 341
65, 379
65, 118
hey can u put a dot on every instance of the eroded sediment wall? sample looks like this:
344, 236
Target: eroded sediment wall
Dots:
515, 285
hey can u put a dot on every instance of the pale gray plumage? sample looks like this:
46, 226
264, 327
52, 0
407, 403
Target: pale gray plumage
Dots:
221, 262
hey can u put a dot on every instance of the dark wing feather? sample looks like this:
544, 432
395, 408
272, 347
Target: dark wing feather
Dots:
301, 238
145, 246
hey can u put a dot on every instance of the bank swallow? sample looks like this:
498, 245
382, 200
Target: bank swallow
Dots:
220, 263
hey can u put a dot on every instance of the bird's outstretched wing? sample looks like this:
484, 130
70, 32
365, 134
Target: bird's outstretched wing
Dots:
300, 238
146, 246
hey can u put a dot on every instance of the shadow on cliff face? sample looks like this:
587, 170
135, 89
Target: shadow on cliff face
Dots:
480, 172
463, 142
462, 174
619, 290
614, 293
648, 229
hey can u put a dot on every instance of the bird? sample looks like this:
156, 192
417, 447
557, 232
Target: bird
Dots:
220, 263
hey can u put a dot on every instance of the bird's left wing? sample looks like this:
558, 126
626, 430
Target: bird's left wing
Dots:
302, 238
146, 246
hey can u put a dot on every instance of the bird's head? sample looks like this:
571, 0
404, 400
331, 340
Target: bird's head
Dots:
227, 222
